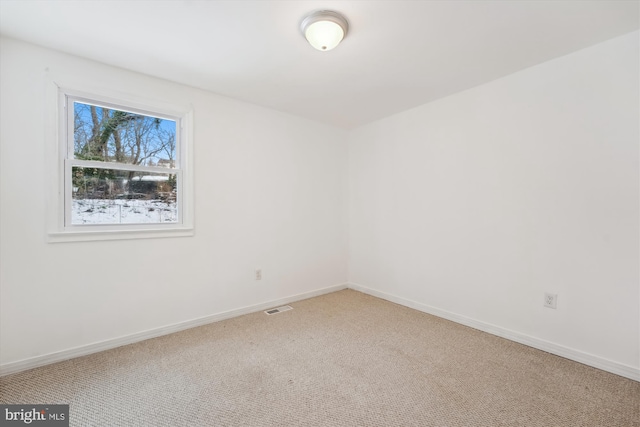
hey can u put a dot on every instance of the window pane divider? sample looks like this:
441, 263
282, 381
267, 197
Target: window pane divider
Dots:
121, 166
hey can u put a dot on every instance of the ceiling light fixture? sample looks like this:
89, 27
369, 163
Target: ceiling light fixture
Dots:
324, 29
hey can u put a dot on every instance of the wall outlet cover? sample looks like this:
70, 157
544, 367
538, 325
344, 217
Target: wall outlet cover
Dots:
550, 300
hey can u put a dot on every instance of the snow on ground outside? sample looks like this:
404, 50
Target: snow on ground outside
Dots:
122, 211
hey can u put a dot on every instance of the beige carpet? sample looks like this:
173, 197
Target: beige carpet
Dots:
342, 359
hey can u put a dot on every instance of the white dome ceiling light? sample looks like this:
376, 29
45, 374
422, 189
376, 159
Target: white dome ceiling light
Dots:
324, 29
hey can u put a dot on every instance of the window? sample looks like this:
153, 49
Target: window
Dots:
124, 171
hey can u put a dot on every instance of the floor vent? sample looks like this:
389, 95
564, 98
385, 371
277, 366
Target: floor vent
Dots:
279, 309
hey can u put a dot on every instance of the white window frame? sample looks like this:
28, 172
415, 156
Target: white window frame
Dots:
60, 228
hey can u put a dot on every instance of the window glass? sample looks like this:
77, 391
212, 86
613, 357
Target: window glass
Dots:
111, 135
112, 196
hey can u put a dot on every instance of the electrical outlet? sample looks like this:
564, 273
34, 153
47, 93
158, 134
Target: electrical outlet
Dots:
550, 300
258, 274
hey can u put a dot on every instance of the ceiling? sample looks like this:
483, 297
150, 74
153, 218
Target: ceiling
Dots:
397, 55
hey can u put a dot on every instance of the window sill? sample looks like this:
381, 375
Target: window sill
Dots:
89, 236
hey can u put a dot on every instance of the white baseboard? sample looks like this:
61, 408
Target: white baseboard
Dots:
34, 362
559, 350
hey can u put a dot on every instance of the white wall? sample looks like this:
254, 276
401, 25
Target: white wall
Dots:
270, 193
474, 205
